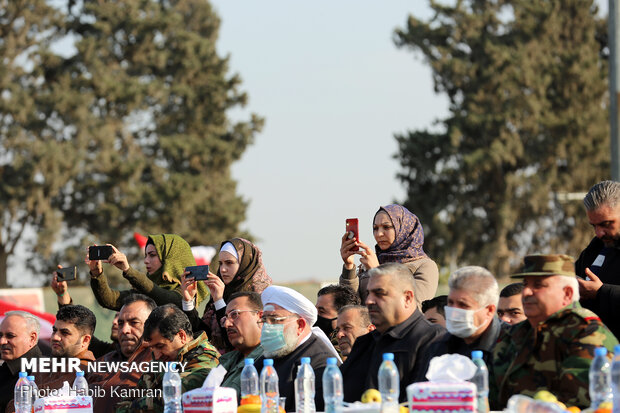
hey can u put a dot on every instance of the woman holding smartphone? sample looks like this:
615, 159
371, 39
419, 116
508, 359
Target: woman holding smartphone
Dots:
240, 269
400, 237
165, 258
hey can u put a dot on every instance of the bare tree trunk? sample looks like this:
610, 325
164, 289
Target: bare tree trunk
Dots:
3, 267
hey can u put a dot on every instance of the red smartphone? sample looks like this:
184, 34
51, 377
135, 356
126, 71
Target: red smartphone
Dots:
353, 231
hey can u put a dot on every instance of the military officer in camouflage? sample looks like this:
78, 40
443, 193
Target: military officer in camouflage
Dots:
552, 349
168, 333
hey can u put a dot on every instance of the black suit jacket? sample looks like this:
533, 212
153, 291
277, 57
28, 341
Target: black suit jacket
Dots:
410, 342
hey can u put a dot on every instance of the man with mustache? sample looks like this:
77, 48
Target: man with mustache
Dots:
353, 322
401, 328
71, 335
19, 333
168, 334
598, 266
243, 327
134, 313
551, 350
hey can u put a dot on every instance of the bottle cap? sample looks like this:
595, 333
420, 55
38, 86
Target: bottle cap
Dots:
476, 354
617, 350
23, 374
268, 362
388, 356
305, 360
79, 373
332, 361
249, 362
600, 351
172, 366
31, 378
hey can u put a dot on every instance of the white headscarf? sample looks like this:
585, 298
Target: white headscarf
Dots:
296, 303
230, 248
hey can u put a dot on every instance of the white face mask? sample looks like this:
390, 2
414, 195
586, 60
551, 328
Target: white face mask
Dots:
461, 322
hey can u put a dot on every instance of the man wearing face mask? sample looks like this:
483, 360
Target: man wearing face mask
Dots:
330, 299
470, 314
287, 336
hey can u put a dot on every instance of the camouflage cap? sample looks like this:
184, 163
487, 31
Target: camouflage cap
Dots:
547, 265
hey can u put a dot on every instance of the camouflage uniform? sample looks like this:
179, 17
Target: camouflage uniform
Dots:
553, 356
200, 356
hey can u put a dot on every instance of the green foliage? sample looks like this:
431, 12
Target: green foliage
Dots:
526, 82
137, 135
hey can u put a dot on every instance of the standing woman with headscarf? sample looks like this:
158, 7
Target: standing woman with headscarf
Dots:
241, 269
400, 237
165, 258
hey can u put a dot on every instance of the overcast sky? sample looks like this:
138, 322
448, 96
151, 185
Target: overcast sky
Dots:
333, 89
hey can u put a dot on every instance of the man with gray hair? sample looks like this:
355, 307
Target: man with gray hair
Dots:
554, 347
19, 333
401, 329
470, 314
598, 266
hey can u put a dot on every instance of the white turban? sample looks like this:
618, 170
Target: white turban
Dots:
290, 300
296, 303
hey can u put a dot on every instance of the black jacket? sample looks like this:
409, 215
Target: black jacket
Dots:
9, 373
410, 341
287, 367
451, 344
607, 302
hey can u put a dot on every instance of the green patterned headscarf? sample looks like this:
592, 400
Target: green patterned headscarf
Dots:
175, 254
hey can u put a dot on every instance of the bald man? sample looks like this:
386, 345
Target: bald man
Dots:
19, 333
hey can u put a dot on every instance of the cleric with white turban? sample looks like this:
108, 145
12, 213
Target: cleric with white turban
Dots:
295, 303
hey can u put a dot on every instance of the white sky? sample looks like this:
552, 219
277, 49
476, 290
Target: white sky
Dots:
333, 89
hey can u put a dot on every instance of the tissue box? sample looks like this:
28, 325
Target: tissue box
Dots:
453, 397
64, 404
214, 400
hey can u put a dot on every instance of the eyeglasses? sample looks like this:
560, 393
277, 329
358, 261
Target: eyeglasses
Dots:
274, 319
234, 315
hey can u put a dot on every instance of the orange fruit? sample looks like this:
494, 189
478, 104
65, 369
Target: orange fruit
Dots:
250, 400
573, 409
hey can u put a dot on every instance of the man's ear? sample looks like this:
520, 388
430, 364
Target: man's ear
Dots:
33, 339
86, 339
568, 294
409, 298
301, 324
183, 336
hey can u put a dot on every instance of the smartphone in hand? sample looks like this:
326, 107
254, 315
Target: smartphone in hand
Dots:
352, 229
198, 272
99, 252
66, 274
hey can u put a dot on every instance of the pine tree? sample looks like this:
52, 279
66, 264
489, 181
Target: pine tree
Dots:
526, 82
143, 105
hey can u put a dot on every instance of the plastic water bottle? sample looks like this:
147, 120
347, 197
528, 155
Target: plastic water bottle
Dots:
389, 384
600, 389
34, 390
22, 397
615, 379
481, 380
172, 390
80, 385
332, 387
269, 391
304, 387
249, 380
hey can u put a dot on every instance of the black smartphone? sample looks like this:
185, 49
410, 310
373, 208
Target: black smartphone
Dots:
197, 272
99, 252
66, 274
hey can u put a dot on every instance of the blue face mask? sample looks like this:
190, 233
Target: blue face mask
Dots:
272, 337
